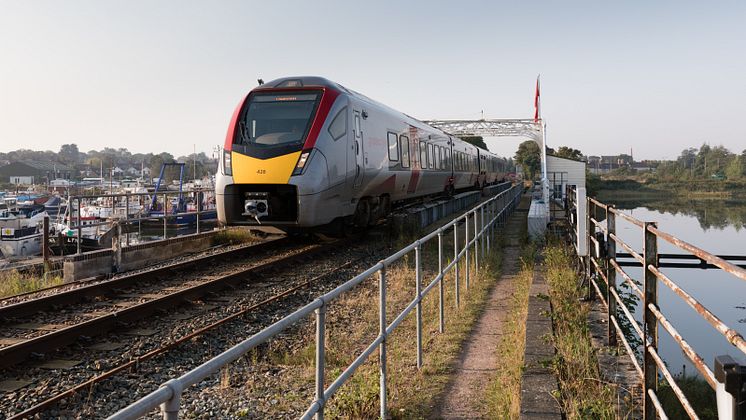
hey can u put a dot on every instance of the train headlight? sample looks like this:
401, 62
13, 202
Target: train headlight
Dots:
301, 163
227, 166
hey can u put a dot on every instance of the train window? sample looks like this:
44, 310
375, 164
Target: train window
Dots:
276, 119
358, 131
338, 126
431, 150
423, 155
393, 147
448, 159
404, 141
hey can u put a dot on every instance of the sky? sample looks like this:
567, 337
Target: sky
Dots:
156, 75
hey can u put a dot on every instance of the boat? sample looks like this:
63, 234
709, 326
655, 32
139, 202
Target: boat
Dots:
21, 231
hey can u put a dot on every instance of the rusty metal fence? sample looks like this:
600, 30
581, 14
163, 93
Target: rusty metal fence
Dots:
602, 264
480, 229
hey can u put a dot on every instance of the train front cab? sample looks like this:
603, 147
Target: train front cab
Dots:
271, 173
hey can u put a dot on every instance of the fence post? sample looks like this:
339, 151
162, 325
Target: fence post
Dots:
199, 206
482, 239
588, 233
45, 243
80, 228
466, 246
418, 289
165, 215
610, 273
650, 322
320, 362
441, 286
455, 260
476, 243
488, 232
127, 217
382, 332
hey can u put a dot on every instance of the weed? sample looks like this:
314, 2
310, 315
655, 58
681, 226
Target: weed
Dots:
234, 236
583, 393
13, 283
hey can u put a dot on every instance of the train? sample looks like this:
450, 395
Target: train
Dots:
306, 152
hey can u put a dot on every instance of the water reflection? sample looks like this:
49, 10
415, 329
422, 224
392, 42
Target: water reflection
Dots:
711, 213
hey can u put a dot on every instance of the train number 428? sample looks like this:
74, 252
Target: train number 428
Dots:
261, 171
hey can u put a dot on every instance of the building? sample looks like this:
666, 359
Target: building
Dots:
34, 172
562, 172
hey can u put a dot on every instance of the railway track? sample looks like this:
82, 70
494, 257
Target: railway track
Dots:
258, 273
35, 324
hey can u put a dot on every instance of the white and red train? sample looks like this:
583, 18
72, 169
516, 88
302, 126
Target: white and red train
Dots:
304, 152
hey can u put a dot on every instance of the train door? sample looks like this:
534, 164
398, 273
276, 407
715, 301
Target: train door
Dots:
357, 129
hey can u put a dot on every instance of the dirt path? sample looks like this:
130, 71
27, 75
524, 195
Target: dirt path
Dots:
464, 397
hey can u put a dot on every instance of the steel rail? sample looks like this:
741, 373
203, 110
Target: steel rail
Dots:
19, 352
626, 278
657, 405
733, 336
627, 217
80, 294
598, 203
599, 225
600, 271
627, 248
695, 358
627, 347
629, 316
699, 252
674, 386
598, 292
40, 407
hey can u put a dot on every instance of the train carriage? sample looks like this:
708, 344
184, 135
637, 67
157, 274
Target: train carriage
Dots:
304, 152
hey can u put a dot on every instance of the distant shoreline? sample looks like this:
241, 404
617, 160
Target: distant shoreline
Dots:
631, 189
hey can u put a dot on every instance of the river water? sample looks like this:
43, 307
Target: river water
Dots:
717, 226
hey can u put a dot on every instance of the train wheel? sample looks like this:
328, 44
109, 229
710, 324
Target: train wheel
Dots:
362, 213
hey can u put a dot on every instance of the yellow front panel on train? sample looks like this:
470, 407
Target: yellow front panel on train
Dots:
249, 170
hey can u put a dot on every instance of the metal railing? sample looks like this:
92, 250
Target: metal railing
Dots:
496, 210
115, 202
601, 264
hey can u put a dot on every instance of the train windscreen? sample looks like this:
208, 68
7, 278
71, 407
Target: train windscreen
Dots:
277, 119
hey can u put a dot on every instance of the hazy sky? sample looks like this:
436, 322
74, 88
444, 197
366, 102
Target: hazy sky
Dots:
166, 75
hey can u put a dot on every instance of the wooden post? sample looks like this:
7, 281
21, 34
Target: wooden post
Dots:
650, 322
610, 273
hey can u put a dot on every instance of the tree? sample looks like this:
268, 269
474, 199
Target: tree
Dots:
529, 155
476, 141
69, 154
569, 153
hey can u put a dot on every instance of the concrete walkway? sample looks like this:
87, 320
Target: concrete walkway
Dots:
464, 397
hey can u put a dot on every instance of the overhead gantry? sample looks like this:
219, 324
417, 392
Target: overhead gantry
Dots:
531, 128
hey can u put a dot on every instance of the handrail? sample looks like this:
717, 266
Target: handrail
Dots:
169, 394
699, 252
608, 266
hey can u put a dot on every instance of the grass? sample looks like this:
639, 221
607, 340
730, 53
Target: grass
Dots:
352, 323
583, 393
14, 283
504, 392
232, 236
412, 393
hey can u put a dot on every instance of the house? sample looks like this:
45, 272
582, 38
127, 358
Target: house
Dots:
34, 172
